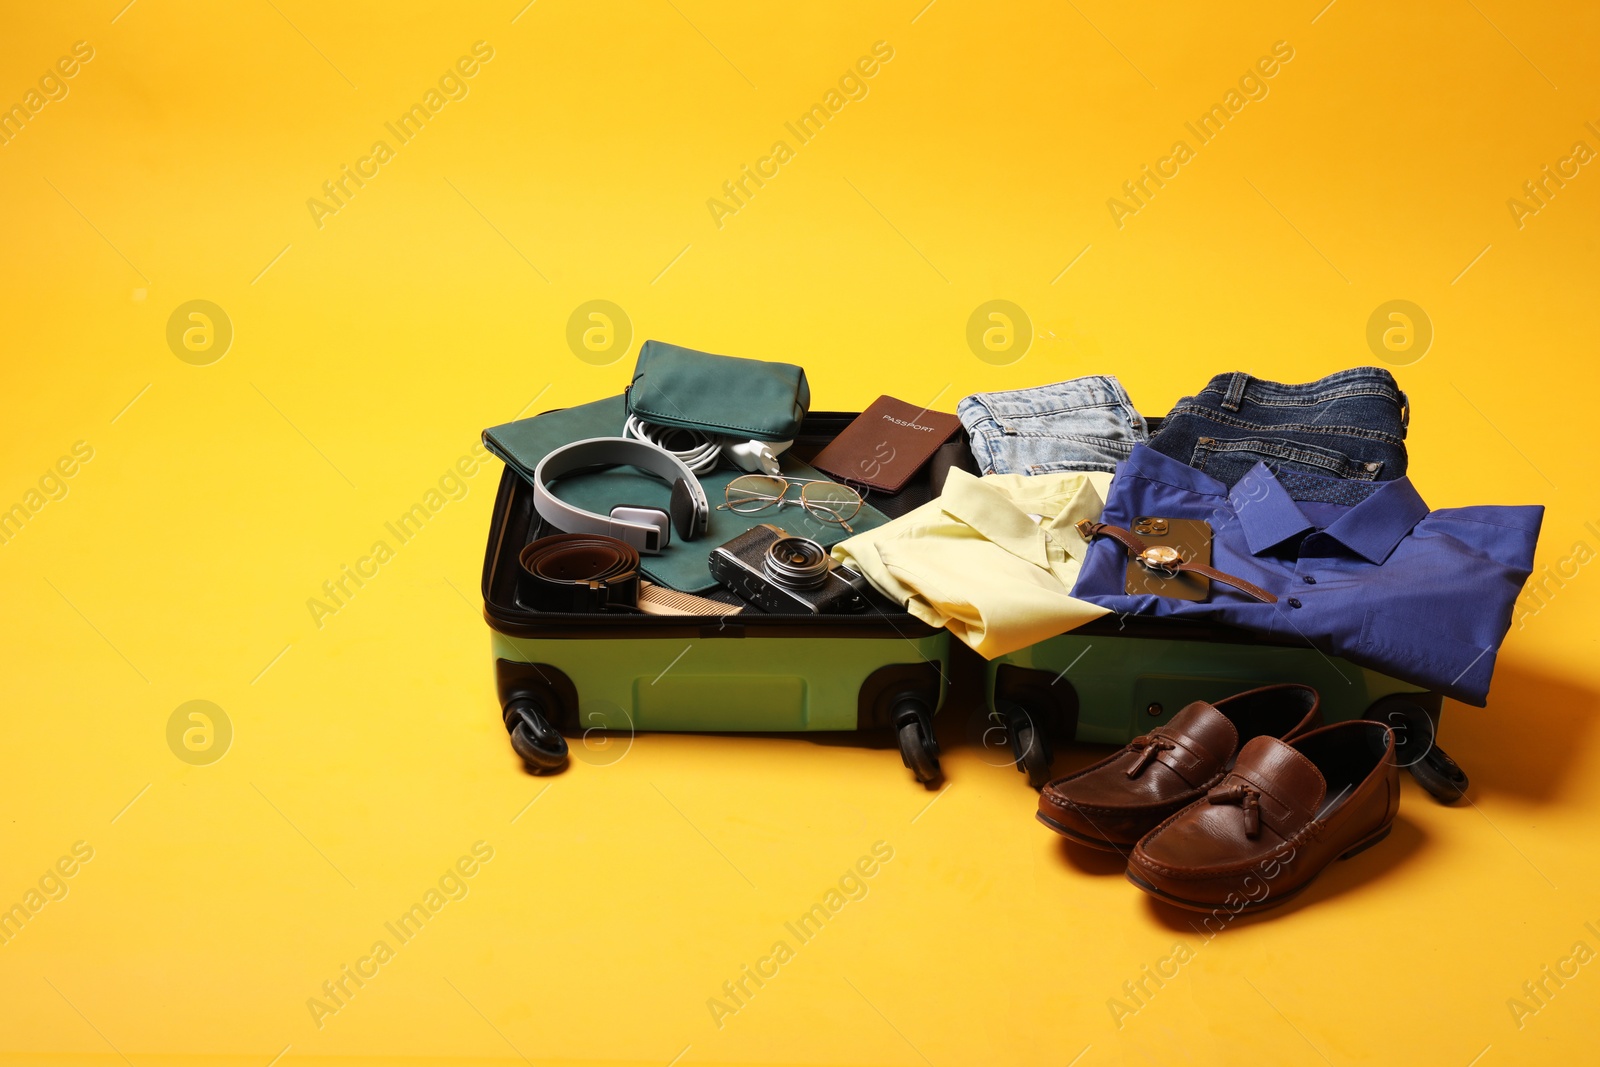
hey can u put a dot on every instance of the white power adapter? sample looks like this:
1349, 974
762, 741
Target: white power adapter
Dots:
755, 456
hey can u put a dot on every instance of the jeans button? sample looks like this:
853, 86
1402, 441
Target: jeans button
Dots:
1293, 602
1309, 580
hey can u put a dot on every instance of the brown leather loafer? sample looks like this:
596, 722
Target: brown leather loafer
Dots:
1283, 813
1112, 804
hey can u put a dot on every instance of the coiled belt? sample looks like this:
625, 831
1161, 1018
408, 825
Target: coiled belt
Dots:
581, 573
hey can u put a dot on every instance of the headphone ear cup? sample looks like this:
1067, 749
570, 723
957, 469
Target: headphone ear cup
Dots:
686, 517
648, 516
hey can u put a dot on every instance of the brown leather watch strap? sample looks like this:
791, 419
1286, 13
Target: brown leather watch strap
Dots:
1091, 529
1249, 588
1138, 550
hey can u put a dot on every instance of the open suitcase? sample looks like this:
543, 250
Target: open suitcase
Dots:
1105, 682
561, 673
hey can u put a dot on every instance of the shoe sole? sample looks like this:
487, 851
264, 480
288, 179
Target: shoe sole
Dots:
1268, 902
1098, 843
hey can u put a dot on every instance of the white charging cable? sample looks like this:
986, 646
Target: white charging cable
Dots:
704, 449
700, 456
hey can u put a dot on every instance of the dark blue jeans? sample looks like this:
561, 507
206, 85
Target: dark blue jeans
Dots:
1351, 424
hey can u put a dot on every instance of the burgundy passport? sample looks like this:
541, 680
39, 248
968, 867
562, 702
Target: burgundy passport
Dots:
886, 444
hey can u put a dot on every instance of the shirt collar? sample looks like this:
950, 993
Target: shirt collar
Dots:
1370, 529
1375, 526
1000, 508
1267, 514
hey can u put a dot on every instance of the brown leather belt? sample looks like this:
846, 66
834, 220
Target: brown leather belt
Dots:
1165, 559
581, 573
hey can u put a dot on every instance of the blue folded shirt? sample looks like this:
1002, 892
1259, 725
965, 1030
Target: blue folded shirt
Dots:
1362, 570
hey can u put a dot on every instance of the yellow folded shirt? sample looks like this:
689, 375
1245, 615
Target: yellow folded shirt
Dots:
975, 560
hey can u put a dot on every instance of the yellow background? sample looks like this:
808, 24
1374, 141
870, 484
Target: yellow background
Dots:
367, 754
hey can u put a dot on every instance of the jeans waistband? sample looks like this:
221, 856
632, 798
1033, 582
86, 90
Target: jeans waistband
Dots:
1232, 391
1089, 391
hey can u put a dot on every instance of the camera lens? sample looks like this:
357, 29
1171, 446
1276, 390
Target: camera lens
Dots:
796, 562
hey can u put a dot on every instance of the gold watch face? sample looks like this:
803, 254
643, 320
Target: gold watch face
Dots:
1159, 556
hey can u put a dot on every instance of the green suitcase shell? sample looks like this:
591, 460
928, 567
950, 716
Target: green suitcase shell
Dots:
568, 674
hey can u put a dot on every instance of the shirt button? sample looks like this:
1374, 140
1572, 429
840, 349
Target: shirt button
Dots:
1294, 603
1309, 580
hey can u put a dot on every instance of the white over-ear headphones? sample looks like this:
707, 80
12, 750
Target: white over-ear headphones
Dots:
647, 529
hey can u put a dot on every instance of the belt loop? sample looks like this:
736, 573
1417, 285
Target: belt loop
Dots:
1235, 391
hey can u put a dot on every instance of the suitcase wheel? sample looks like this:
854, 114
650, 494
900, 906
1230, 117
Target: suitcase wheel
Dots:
1441, 776
1416, 731
540, 745
919, 749
1029, 747
1037, 709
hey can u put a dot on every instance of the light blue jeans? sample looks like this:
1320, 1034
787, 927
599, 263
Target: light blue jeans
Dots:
1086, 424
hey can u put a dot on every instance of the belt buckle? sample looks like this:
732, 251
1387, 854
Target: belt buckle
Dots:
593, 594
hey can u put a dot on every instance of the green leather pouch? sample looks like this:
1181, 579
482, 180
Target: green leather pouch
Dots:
692, 390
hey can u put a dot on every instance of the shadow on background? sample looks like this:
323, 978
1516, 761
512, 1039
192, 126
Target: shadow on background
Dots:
1093, 861
1535, 732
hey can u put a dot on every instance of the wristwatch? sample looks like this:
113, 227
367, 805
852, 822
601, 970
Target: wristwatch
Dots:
1168, 561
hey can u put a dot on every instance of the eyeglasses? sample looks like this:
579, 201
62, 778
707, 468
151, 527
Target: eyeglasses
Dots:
828, 501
